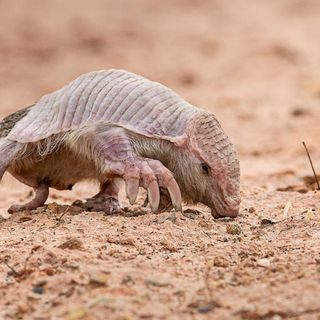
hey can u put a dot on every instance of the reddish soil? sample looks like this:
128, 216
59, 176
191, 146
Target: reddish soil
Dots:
256, 65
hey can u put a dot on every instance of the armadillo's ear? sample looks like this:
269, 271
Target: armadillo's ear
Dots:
180, 141
187, 141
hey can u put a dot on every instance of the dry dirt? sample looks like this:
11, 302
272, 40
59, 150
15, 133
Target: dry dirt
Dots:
256, 65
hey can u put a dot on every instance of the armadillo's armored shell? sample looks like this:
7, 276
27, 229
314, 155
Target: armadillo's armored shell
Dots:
113, 96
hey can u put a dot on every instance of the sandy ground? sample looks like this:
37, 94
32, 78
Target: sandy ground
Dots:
256, 65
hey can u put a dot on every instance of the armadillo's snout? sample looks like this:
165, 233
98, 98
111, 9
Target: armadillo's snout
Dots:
230, 213
230, 209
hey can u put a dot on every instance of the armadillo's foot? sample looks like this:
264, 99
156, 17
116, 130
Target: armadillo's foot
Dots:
151, 174
106, 200
108, 204
109, 188
41, 196
16, 208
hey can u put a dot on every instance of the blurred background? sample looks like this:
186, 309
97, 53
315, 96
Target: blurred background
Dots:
254, 63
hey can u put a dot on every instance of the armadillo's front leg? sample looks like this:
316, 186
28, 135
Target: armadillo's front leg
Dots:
41, 196
108, 188
121, 161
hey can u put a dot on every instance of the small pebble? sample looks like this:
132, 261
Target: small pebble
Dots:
38, 289
24, 219
266, 222
99, 278
71, 244
206, 309
77, 203
191, 214
220, 262
265, 263
162, 218
156, 283
77, 313
234, 229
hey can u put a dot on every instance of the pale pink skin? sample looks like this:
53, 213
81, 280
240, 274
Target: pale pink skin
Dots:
114, 124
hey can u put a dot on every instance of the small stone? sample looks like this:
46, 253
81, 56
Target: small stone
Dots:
77, 203
77, 313
99, 278
38, 289
33, 296
204, 224
267, 222
71, 244
220, 262
162, 218
204, 306
265, 263
234, 229
191, 214
286, 209
252, 210
206, 309
169, 246
309, 215
53, 207
48, 271
156, 283
24, 219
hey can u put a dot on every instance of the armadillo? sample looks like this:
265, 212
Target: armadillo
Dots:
112, 124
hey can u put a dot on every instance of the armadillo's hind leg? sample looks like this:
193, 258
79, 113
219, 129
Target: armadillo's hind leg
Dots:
107, 198
10, 151
41, 196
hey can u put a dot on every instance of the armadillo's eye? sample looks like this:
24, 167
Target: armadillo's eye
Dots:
205, 168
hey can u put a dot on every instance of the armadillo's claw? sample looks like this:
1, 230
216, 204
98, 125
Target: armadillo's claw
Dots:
154, 195
152, 175
132, 189
166, 180
175, 194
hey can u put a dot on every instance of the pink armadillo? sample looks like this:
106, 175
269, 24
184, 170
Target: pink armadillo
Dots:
113, 124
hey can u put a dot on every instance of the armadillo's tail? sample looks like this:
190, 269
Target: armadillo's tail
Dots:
9, 152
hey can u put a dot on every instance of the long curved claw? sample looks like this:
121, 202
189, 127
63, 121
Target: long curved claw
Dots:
154, 195
132, 189
175, 194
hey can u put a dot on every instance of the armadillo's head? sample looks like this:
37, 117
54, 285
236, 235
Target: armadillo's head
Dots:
216, 167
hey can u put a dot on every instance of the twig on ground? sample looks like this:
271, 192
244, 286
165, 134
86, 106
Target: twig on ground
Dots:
314, 172
14, 272
206, 276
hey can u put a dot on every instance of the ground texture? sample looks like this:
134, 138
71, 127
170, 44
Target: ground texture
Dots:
256, 65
